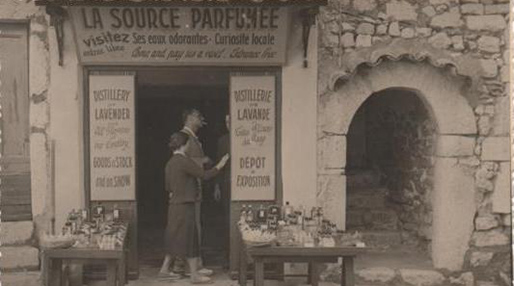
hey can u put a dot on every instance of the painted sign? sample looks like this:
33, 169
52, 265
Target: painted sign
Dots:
180, 2
181, 35
252, 125
111, 137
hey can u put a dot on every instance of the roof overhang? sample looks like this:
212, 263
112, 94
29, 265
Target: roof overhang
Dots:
180, 2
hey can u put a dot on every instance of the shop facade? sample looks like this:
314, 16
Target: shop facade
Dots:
407, 98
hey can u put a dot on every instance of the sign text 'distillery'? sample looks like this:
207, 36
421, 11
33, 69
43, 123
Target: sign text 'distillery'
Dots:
111, 125
174, 35
252, 110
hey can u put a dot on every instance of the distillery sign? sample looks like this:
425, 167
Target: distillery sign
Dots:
111, 137
252, 110
175, 35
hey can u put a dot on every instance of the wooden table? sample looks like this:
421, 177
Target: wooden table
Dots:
115, 260
312, 255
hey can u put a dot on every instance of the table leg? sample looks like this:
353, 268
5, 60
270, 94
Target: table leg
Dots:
122, 271
313, 273
54, 275
111, 273
348, 278
243, 265
258, 279
45, 267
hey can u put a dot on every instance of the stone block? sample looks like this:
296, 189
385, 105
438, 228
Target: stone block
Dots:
39, 175
501, 196
480, 258
363, 41
486, 222
465, 279
38, 65
424, 32
440, 40
377, 274
452, 224
489, 44
364, 5
493, 23
365, 29
16, 232
381, 29
501, 120
489, 68
26, 278
421, 277
441, 8
472, 9
454, 146
486, 283
490, 238
429, 11
401, 11
505, 73
331, 196
348, 40
440, 2
332, 152
451, 19
496, 149
39, 115
408, 33
347, 27
458, 43
497, 9
19, 257
394, 29
469, 1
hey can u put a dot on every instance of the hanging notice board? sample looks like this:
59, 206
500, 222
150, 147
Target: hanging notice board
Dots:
112, 137
164, 35
253, 144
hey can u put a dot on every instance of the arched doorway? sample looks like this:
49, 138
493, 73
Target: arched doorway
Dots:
390, 150
444, 96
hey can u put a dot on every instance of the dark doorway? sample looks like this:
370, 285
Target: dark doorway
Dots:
162, 96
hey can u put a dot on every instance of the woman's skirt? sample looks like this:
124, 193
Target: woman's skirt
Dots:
181, 235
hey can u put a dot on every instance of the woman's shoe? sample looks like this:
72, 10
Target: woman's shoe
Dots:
201, 280
203, 271
168, 276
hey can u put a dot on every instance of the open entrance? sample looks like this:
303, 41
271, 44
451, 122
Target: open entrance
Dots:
162, 96
391, 145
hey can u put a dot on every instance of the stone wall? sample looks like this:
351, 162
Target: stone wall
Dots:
468, 39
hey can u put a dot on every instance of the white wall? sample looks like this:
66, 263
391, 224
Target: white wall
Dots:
299, 107
66, 128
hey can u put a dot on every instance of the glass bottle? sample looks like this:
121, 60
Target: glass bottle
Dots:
242, 215
249, 214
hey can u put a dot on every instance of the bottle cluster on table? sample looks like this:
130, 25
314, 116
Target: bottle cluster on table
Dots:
96, 228
290, 225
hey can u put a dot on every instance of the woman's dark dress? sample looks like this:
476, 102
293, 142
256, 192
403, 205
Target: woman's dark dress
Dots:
181, 235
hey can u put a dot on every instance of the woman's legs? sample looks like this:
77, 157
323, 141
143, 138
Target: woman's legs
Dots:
164, 272
196, 278
166, 264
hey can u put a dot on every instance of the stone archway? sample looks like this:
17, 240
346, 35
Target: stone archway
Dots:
442, 93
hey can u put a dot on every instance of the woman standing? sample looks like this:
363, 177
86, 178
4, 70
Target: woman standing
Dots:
181, 235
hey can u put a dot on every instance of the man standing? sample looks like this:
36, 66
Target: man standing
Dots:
193, 121
222, 188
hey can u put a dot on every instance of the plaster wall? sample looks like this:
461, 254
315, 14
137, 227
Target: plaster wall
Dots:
66, 128
299, 104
